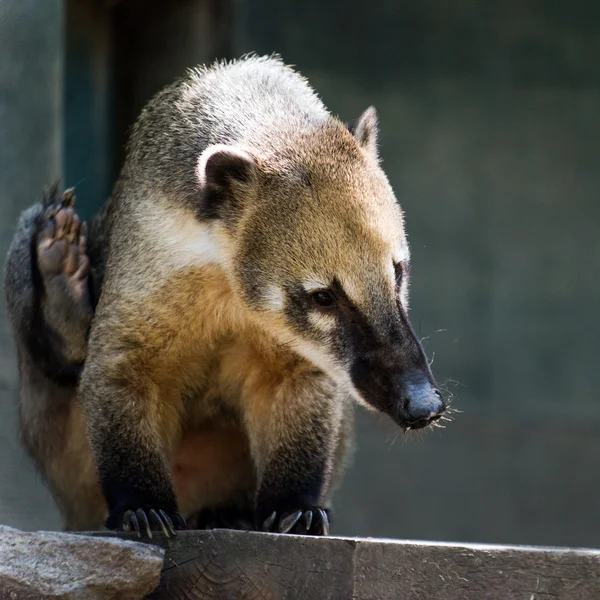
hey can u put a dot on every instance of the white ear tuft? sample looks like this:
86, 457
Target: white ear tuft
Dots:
221, 162
225, 174
365, 131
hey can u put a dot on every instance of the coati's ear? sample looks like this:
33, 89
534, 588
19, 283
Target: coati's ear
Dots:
226, 175
365, 130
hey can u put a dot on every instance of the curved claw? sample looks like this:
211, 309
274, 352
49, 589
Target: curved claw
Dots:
179, 521
130, 521
168, 521
307, 519
69, 197
156, 518
141, 516
269, 522
324, 522
286, 523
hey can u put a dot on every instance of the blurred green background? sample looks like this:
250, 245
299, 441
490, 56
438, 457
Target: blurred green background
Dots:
490, 130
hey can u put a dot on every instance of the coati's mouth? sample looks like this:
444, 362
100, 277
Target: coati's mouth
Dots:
420, 423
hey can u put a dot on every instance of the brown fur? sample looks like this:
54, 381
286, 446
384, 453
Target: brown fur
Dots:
209, 353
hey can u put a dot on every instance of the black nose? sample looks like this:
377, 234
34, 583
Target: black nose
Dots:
423, 403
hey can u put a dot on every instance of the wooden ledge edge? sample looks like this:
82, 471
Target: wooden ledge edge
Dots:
230, 534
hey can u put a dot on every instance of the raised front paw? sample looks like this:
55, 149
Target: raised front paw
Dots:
312, 521
143, 522
61, 246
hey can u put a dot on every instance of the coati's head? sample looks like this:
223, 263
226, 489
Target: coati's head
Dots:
317, 252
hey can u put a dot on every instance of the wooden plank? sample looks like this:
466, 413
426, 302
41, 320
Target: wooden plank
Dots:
232, 565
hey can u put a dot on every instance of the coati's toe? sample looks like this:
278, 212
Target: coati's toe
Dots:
144, 522
61, 245
313, 521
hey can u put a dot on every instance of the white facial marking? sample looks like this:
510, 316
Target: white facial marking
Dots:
337, 372
320, 359
322, 321
402, 254
274, 298
357, 397
313, 284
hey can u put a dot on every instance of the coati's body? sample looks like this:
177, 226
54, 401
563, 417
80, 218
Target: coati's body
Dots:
251, 287
52, 294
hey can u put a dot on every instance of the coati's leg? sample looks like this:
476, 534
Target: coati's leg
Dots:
46, 285
133, 423
294, 449
341, 457
293, 422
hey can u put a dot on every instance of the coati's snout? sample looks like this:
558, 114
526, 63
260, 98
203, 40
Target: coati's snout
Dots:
391, 373
421, 403
411, 399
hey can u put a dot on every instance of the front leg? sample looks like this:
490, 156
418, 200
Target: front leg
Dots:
293, 428
132, 424
291, 496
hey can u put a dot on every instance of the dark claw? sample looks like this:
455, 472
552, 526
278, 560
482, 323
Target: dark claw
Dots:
288, 522
180, 522
168, 521
269, 522
307, 519
156, 518
141, 515
130, 521
69, 197
324, 522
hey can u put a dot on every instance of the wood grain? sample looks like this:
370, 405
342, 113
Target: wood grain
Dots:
232, 565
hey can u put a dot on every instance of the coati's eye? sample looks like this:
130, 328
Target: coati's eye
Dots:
323, 299
399, 271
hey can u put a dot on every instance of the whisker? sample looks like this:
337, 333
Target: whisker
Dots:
448, 380
394, 439
427, 337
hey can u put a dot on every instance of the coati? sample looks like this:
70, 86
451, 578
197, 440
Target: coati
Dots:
253, 267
